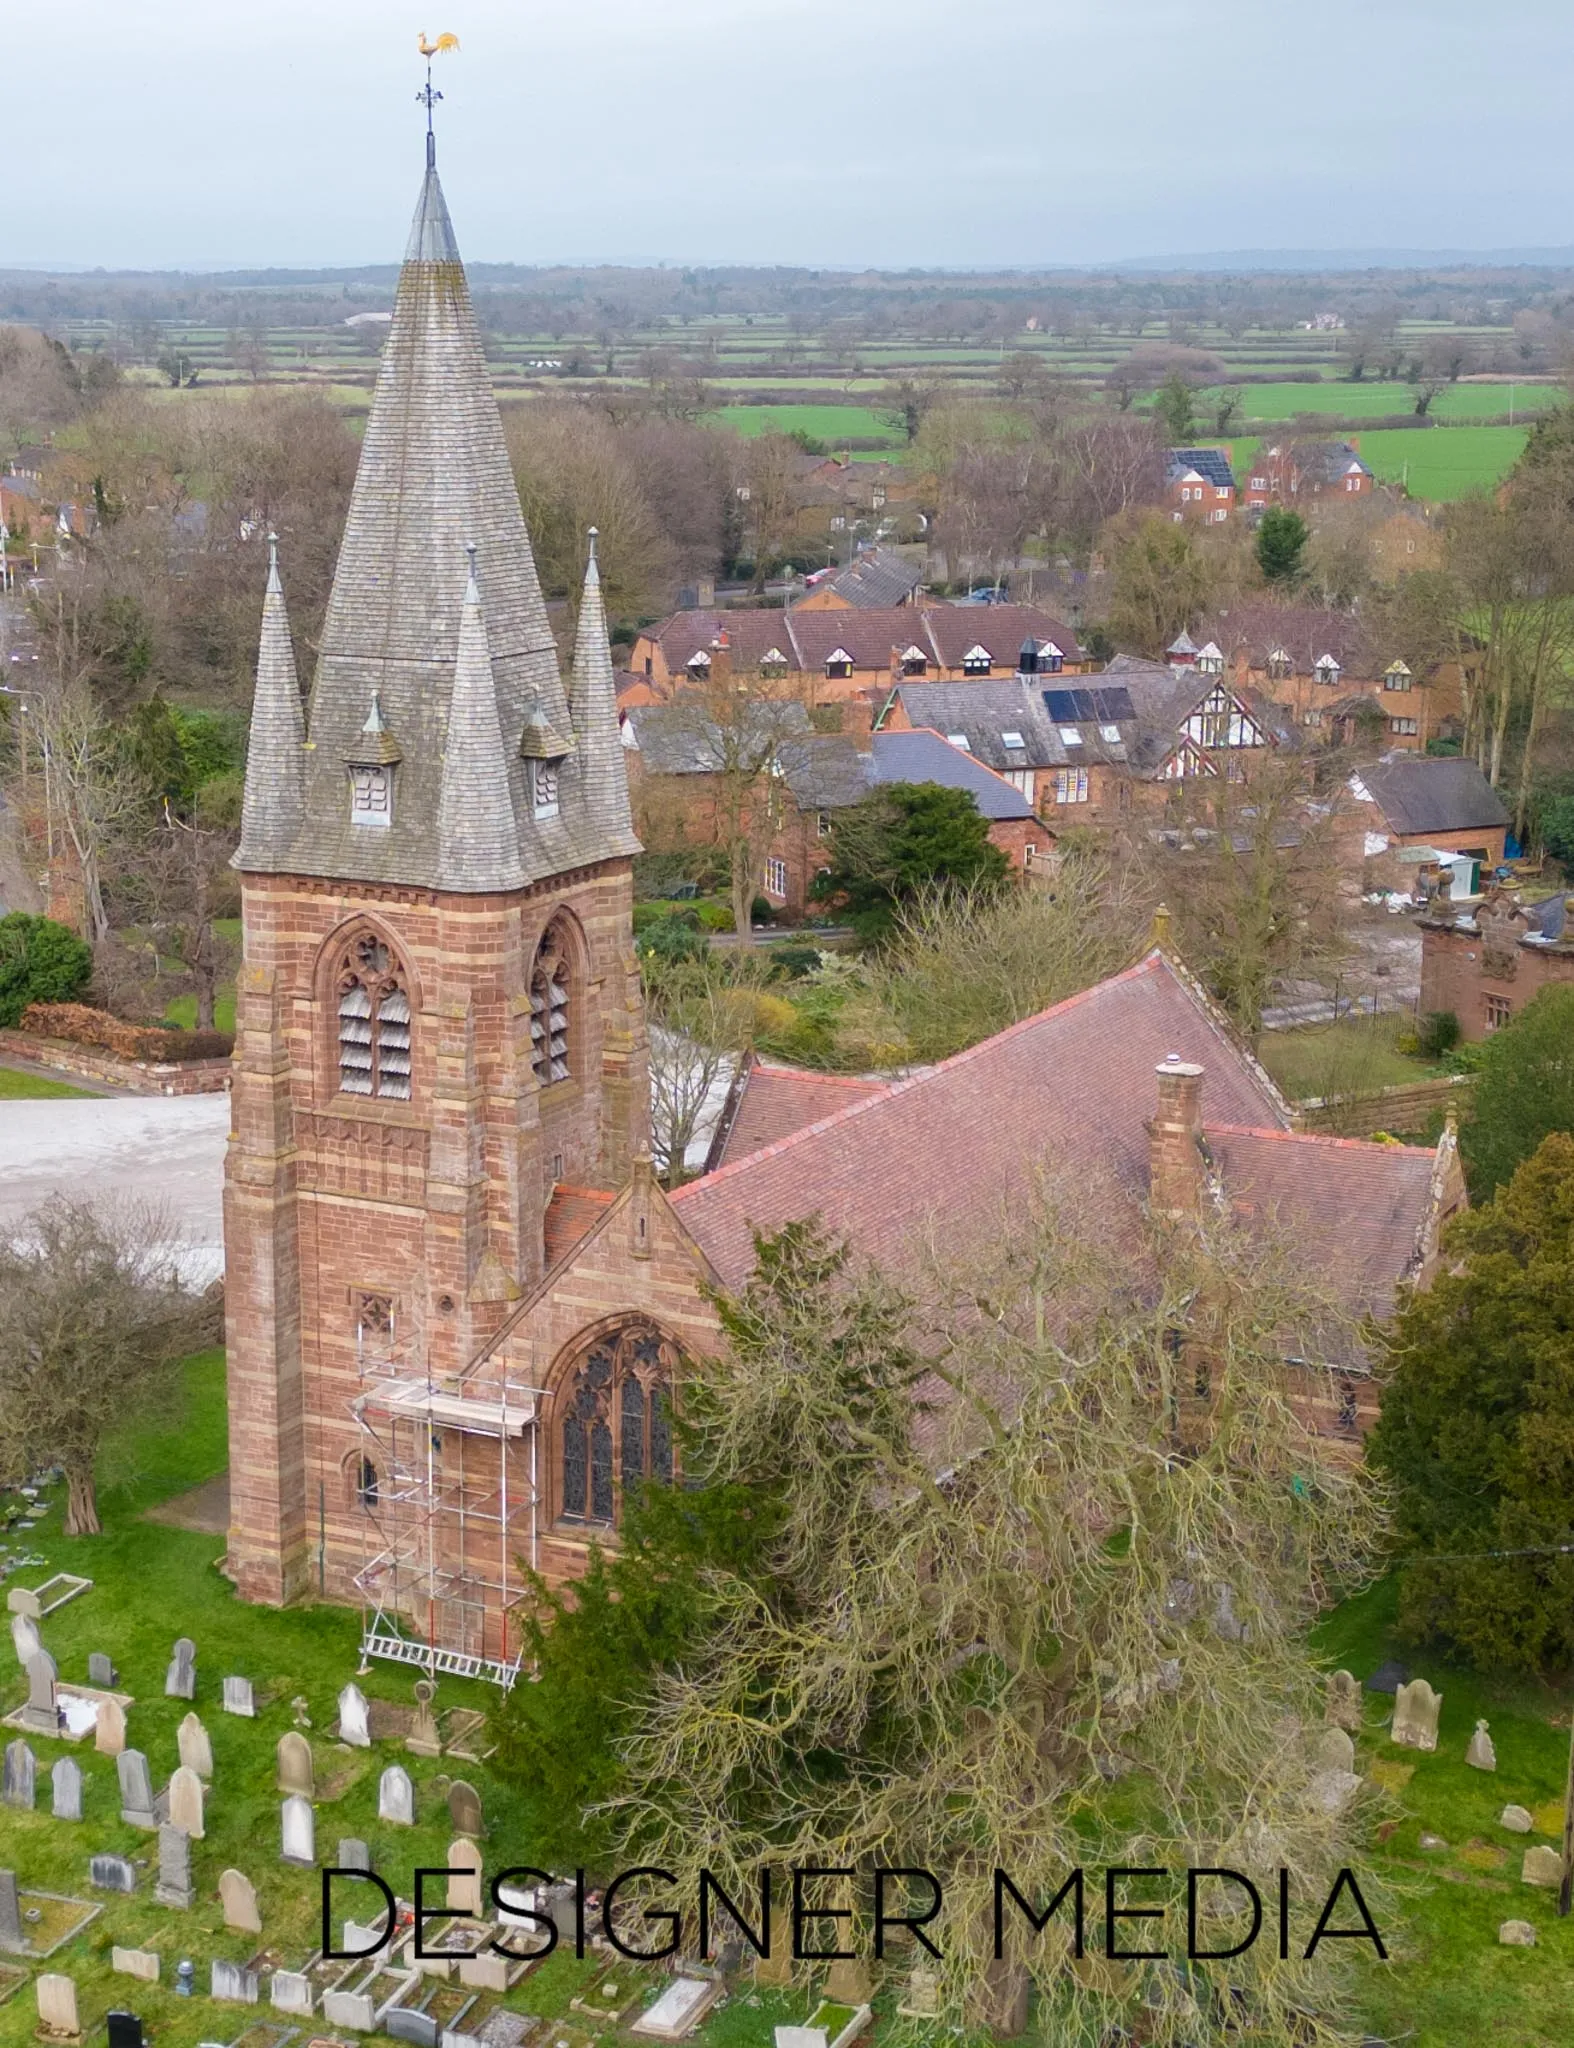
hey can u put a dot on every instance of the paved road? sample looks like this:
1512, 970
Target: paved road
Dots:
168, 1152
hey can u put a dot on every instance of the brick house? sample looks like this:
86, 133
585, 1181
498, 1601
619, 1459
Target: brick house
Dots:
458, 1304
1339, 683
877, 579
830, 656
1405, 801
1292, 472
1487, 967
1199, 485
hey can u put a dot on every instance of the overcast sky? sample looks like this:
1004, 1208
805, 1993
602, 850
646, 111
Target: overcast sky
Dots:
847, 132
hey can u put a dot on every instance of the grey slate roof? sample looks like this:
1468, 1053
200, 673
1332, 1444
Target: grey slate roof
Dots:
272, 806
681, 738
985, 712
434, 476
876, 580
1210, 463
1418, 793
926, 757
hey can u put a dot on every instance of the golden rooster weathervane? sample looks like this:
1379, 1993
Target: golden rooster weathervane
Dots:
428, 96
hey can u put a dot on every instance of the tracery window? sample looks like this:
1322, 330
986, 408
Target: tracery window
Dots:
550, 1008
374, 1021
616, 1423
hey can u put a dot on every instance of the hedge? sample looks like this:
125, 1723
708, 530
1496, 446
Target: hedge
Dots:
81, 1025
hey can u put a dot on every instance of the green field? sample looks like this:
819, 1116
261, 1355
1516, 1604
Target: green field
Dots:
828, 423
1443, 462
1384, 401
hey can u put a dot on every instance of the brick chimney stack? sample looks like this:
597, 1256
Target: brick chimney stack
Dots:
1177, 1166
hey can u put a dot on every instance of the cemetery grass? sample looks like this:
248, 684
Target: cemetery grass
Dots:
1448, 1984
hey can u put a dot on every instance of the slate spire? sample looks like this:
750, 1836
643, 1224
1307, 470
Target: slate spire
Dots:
477, 836
600, 768
271, 807
434, 476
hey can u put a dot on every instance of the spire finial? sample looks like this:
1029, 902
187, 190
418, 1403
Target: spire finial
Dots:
594, 537
470, 556
273, 553
428, 96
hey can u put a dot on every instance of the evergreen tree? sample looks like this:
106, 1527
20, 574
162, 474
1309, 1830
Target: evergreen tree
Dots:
1281, 542
1525, 1090
903, 841
1477, 1428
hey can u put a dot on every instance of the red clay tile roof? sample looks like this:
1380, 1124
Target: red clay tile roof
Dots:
943, 633
1353, 1209
570, 1214
1068, 1092
773, 1102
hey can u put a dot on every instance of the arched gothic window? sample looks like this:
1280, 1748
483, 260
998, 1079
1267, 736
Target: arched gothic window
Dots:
366, 1484
550, 1009
374, 1021
615, 1428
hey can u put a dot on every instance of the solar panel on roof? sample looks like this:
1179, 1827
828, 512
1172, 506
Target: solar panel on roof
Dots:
1061, 705
1114, 704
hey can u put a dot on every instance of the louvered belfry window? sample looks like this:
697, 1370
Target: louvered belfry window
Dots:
374, 1022
550, 1010
616, 1423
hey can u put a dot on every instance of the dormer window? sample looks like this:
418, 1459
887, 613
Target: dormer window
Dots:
543, 788
1397, 676
371, 796
773, 662
698, 665
976, 662
838, 664
1278, 665
1327, 670
1210, 660
1050, 659
914, 662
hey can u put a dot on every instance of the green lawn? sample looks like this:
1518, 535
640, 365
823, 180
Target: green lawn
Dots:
1356, 1054
17, 1087
182, 1010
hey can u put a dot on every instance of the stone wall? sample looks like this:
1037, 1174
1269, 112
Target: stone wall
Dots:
137, 1077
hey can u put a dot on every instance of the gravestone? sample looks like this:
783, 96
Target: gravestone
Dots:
174, 1868
101, 1671
1516, 1819
1334, 1750
125, 2029
18, 1777
355, 1718
1342, 1703
464, 1807
239, 1698
57, 2005
423, 1738
404, 2023
801, 2037
353, 1854
464, 1877
1542, 1866
921, 2001
233, 1984
185, 1977
196, 1751
111, 1874
239, 1895
1416, 1708
291, 1991
180, 1681
848, 1983
295, 1764
351, 2010
365, 1942
65, 1782
1516, 1934
1480, 1753
42, 1712
136, 1790
135, 1962
25, 1639
185, 1802
396, 1797
298, 1831
109, 1728
12, 1940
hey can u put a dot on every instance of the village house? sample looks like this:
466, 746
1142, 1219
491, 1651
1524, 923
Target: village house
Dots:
1404, 805
1293, 472
1484, 967
831, 656
458, 1304
1325, 666
678, 766
877, 579
1199, 485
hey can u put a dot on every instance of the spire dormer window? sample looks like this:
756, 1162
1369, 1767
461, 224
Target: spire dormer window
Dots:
543, 788
374, 1022
371, 768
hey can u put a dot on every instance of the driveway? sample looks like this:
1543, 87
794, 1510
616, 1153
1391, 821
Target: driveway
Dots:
147, 1148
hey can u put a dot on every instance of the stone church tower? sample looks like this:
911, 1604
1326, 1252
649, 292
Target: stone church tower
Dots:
438, 1016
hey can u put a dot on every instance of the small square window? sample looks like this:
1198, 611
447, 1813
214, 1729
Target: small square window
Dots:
1013, 739
1498, 1012
1070, 737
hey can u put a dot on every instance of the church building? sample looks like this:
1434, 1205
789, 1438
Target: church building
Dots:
458, 1302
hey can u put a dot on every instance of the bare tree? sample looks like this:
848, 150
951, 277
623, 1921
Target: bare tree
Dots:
94, 1322
702, 1015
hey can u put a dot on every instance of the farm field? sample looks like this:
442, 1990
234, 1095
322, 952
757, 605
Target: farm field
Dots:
828, 423
1383, 401
1444, 462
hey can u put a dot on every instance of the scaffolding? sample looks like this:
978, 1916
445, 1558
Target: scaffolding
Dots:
446, 1508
